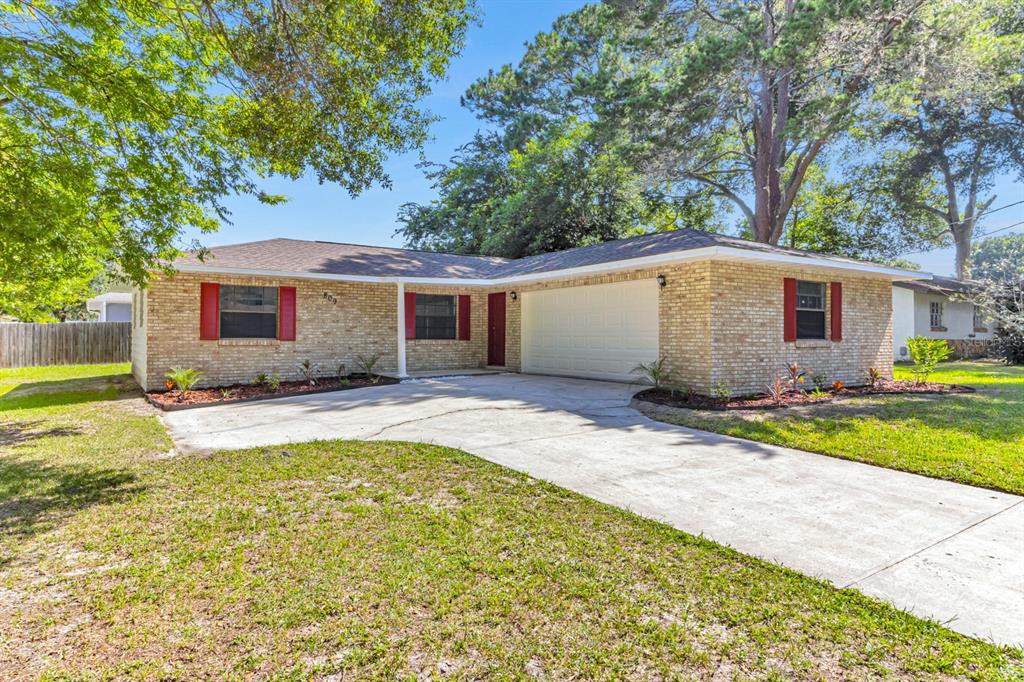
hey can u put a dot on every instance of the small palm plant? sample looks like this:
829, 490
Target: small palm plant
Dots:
654, 372
184, 379
874, 376
367, 366
308, 369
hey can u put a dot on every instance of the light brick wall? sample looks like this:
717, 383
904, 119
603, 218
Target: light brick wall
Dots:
686, 319
720, 324
747, 347
431, 354
363, 321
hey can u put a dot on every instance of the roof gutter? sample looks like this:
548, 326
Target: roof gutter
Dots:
721, 253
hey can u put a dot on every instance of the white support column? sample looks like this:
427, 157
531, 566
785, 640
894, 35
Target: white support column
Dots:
402, 374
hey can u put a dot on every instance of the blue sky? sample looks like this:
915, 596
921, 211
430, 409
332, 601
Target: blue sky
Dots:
326, 212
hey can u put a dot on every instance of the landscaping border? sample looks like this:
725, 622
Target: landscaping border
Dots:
175, 407
712, 405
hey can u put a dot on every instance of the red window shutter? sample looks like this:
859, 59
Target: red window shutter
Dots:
789, 309
463, 317
209, 311
837, 311
410, 315
286, 313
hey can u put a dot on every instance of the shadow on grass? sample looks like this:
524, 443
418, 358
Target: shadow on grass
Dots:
69, 392
35, 497
18, 433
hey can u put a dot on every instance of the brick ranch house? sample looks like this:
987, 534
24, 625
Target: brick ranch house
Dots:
722, 311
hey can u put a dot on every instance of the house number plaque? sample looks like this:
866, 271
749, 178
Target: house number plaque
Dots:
330, 298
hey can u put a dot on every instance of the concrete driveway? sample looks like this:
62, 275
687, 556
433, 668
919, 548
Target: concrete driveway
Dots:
941, 550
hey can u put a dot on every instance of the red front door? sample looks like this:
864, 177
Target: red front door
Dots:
496, 329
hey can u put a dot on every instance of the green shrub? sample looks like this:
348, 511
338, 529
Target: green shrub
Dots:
274, 381
722, 391
926, 354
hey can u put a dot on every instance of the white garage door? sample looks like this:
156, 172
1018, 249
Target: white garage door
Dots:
597, 332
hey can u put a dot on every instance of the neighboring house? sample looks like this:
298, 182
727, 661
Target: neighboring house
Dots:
935, 308
723, 312
113, 306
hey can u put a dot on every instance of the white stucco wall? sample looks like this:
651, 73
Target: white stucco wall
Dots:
911, 316
902, 321
957, 318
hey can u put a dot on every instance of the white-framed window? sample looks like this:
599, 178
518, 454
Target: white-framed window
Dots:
979, 318
810, 310
248, 312
935, 313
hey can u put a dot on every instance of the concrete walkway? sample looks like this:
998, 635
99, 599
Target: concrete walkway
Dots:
941, 550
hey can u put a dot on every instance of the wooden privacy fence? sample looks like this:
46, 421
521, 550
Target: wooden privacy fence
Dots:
65, 343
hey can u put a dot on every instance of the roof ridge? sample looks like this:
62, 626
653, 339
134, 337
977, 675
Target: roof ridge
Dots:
368, 246
617, 241
402, 248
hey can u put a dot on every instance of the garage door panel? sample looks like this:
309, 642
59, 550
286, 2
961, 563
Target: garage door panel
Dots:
599, 331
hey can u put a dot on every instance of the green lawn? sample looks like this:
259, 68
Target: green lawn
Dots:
12, 378
342, 560
970, 438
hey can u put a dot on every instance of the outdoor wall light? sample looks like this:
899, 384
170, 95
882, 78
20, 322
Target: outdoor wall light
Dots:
661, 281
514, 296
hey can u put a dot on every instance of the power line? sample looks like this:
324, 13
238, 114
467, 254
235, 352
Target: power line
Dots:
977, 236
986, 212
1001, 229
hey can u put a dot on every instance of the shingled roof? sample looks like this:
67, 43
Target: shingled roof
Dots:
939, 285
332, 258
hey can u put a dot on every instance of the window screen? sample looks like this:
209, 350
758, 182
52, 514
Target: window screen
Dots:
810, 310
435, 316
936, 314
248, 312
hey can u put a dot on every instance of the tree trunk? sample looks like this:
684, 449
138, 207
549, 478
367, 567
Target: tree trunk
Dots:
962, 237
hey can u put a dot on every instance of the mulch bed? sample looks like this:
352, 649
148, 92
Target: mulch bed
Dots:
200, 397
696, 401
